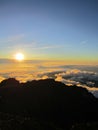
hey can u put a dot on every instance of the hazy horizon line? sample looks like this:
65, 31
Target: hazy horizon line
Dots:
46, 60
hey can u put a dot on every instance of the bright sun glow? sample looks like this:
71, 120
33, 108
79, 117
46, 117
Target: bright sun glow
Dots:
19, 56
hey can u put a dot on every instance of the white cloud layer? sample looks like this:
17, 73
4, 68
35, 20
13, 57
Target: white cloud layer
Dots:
67, 75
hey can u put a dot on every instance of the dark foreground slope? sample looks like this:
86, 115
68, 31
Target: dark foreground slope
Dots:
48, 101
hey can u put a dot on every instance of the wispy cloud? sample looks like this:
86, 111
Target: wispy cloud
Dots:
17, 41
34, 46
84, 42
12, 38
46, 47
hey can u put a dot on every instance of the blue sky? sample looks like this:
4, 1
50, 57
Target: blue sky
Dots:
50, 29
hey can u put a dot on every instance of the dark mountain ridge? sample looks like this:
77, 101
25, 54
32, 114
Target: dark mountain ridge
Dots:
48, 100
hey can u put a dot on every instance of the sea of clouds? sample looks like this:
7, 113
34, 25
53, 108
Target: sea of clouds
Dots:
82, 76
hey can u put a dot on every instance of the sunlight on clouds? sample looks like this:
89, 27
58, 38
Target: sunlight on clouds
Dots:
1, 78
45, 77
35, 70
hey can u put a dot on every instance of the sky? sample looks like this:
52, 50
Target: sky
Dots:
64, 30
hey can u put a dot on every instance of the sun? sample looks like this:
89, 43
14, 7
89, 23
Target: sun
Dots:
19, 56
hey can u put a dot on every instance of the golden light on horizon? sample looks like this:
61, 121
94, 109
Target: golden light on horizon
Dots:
19, 57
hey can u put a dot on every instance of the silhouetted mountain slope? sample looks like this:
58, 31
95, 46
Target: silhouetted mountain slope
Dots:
85, 126
18, 122
49, 100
